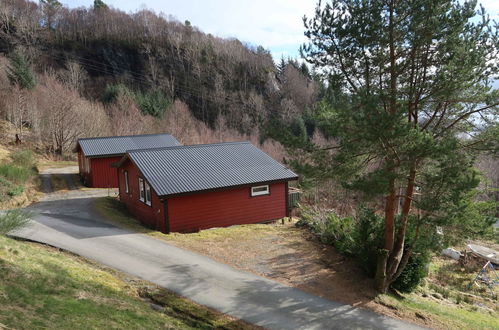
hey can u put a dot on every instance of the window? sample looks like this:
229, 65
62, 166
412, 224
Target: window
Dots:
260, 190
145, 192
148, 193
126, 182
142, 195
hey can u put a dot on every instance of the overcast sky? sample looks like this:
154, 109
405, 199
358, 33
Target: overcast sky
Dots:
275, 24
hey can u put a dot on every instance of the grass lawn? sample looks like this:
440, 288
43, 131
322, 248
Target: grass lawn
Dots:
42, 287
291, 256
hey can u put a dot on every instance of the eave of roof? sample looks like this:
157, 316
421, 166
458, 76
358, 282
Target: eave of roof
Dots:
134, 142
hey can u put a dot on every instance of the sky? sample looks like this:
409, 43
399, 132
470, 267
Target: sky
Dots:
274, 24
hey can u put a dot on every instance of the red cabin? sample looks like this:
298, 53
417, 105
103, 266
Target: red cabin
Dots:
95, 155
189, 188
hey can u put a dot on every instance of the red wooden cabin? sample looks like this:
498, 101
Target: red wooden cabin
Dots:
95, 155
189, 188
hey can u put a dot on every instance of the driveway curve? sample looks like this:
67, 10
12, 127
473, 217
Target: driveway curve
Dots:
67, 221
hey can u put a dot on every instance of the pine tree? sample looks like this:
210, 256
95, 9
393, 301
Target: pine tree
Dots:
19, 72
281, 66
99, 4
414, 77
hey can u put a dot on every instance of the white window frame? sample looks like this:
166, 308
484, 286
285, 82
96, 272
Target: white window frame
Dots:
260, 193
127, 189
142, 192
148, 195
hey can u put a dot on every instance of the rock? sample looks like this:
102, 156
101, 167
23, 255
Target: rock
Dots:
157, 307
437, 295
421, 316
451, 253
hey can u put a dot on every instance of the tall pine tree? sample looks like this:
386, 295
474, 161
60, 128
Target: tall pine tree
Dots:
19, 72
415, 81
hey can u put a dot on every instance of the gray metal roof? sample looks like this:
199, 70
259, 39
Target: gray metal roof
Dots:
184, 169
118, 145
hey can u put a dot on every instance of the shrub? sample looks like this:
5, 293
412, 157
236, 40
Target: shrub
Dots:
15, 190
361, 237
412, 275
112, 92
152, 103
12, 220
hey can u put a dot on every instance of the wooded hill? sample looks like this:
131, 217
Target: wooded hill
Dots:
114, 60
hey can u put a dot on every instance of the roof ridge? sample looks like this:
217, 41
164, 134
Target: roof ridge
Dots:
122, 136
188, 146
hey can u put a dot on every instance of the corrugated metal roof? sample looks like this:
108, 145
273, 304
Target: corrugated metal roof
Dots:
177, 170
116, 145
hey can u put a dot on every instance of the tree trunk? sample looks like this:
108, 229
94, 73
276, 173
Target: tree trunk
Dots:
380, 278
398, 250
381, 267
391, 200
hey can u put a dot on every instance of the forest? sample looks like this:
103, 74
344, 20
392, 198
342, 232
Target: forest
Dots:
117, 73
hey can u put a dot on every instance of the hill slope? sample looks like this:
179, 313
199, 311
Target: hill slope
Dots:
42, 287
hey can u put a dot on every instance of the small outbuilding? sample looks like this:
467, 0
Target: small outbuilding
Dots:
189, 188
95, 155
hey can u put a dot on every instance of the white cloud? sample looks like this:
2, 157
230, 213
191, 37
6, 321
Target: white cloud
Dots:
273, 24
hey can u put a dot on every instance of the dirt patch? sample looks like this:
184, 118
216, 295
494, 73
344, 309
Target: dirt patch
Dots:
291, 255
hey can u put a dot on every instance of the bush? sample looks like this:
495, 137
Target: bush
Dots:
412, 275
152, 103
15, 190
12, 220
361, 237
112, 92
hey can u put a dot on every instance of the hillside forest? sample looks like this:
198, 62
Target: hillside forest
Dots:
384, 141
100, 71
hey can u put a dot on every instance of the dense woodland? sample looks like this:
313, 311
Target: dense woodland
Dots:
100, 71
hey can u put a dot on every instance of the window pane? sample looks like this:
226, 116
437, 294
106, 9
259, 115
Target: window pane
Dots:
260, 190
126, 181
148, 194
141, 189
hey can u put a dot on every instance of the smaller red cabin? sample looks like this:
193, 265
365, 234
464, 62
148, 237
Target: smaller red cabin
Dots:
95, 155
189, 188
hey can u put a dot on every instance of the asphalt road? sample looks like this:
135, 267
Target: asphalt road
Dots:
68, 222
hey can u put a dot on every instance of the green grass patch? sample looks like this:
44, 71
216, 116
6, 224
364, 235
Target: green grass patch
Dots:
24, 158
449, 316
16, 174
41, 287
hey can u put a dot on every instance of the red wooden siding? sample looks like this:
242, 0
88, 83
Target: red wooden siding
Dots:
225, 208
153, 216
102, 174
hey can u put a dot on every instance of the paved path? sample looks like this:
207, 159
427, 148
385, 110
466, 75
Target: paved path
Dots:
68, 222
